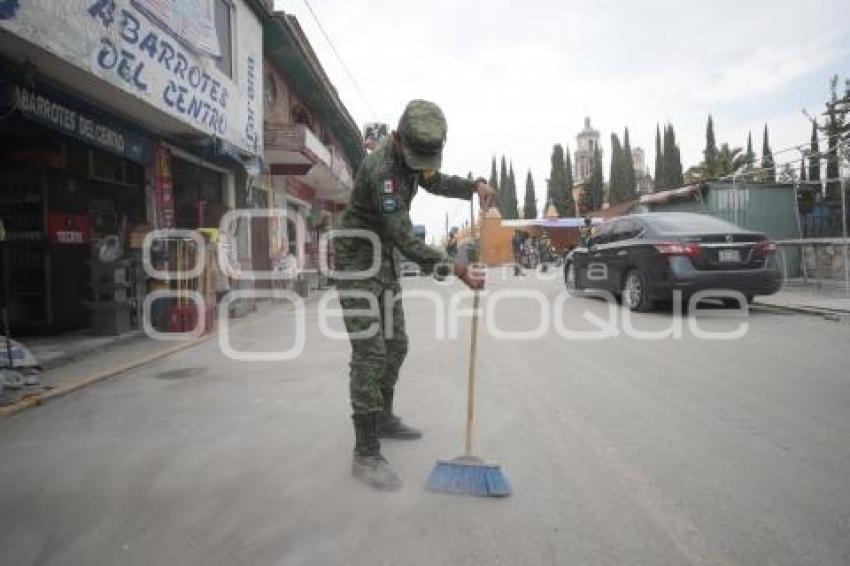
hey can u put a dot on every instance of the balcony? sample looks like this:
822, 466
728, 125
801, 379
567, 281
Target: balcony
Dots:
296, 151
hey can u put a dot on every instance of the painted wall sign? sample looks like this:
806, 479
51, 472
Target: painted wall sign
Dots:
133, 51
62, 115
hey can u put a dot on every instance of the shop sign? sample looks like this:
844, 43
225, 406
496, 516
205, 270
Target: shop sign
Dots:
164, 188
68, 228
62, 116
132, 45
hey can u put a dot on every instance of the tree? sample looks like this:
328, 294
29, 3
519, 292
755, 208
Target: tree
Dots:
767, 164
503, 187
835, 128
671, 167
494, 176
629, 169
595, 186
529, 209
568, 185
616, 182
710, 152
726, 161
511, 205
559, 193
659, 159
750, 156
814, 155
803, 178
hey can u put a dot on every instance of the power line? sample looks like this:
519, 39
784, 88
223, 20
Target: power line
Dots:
340, 59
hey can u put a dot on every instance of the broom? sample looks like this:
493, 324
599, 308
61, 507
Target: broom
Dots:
468, 474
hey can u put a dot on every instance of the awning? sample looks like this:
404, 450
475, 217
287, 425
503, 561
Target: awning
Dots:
666, 196
575, 222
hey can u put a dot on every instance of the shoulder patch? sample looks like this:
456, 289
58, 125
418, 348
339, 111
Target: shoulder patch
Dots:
389, 186
389, 204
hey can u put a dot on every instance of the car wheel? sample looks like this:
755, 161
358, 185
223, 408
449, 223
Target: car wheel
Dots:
570, 278
635, 292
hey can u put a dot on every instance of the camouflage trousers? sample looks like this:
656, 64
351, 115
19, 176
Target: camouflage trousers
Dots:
374, 318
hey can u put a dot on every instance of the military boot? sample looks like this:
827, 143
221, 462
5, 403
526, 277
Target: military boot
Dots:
368, 465
391, 426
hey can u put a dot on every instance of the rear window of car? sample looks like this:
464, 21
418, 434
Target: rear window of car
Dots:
697, 223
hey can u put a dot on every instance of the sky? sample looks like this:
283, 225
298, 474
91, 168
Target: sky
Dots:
515, 78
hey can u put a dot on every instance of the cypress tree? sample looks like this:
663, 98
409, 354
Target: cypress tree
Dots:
814, 154
672, 166
767, 163
595, 186
494, 176
568, 185
750, 156
503, 188
803, 178
659, 160
833, 185
512, 211
710, 151
558, 193
629, 169
615, 178
529, 209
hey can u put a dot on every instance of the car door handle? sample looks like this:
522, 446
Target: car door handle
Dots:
622, 252
597, 254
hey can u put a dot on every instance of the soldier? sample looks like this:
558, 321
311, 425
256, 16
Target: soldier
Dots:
384, 187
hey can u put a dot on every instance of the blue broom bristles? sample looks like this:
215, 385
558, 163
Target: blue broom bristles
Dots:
465, 478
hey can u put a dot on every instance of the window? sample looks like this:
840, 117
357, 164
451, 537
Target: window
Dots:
224, 30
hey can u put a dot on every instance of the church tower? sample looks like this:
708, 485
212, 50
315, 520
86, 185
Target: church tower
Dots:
587, 141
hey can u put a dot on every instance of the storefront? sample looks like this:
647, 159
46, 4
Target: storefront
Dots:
72, 176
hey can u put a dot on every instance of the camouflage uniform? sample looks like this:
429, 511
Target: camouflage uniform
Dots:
383, 191
384, 188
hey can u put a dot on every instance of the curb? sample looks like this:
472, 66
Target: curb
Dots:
832, 314
72, 385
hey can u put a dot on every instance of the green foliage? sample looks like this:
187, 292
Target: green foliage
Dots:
767, 163
659, 159
616, 180
595, 186
560, 183
504, 180
710, 152
494, 176
511, 211
529, 209
630, 178
671, 166
750, 156
814, 154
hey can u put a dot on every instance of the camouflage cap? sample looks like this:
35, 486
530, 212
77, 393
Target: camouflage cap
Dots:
422, 128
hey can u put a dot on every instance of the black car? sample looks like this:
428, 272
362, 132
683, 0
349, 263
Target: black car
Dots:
646, 257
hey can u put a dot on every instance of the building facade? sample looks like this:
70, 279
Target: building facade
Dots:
313, 147
120, 117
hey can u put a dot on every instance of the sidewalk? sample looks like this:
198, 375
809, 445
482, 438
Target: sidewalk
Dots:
808, 298
77, 360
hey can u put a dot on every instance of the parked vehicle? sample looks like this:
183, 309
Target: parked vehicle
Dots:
644, 258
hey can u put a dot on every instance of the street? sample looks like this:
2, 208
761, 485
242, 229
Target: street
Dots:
620, 451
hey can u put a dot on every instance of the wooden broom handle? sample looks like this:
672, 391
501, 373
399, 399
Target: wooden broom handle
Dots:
473, 348
470, 394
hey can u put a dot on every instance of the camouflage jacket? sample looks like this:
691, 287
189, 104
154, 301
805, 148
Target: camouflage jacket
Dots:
380, 203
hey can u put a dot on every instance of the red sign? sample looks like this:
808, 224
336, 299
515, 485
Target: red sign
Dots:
164, 188
68, 228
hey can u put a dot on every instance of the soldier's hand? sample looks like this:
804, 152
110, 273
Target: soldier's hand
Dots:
486, 194
473, 275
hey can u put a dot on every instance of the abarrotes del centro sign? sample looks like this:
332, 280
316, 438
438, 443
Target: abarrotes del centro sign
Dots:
137, 51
